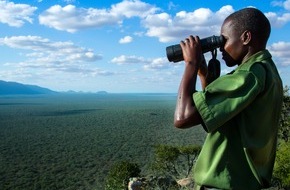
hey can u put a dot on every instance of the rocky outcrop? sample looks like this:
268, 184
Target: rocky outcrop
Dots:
151, 182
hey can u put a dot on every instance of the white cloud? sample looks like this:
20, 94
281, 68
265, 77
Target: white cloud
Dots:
72, 19
44, 54
167, 28
158, 64
171, 5
281, 53
54, 64
277, 3
276, 20
123, 59
133, 8
15, 15
202, 21
125, 40
286, 5
69, 1
65, 50
148, 64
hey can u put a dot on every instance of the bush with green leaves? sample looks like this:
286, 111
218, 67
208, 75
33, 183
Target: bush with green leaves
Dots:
284, 133
282, 165
176, 162
281, 174
120, 174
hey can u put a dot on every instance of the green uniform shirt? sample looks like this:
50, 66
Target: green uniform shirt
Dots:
241, 113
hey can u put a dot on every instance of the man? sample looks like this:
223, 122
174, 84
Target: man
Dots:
239, 111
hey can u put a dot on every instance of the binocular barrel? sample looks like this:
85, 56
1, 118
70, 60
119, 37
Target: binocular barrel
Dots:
174, 52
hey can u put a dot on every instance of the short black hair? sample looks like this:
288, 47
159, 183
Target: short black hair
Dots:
253, 20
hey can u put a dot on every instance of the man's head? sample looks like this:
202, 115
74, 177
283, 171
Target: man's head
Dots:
246, 32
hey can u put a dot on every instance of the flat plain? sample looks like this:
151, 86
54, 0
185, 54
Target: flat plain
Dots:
70, 141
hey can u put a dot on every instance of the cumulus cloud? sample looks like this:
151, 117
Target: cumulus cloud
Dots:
71, 19
281, 53
281, 19
201, 21
69, 1
171, 5
125, 40
15, 15
157, 64
284, 4
124, 60
64, 50
276, 20
54, 56
148, 64
133, 8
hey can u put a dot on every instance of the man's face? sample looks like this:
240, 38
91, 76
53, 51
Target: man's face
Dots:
232, 51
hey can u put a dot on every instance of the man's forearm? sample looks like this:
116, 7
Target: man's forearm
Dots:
185, 106
202, 73
203, 82
186, 114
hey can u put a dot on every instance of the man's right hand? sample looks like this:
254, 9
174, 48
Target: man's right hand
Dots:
191, 50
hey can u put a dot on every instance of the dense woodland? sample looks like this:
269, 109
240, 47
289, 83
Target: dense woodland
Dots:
172, 163
72, 141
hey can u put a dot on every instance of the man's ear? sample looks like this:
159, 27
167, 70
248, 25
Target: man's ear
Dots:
246, 37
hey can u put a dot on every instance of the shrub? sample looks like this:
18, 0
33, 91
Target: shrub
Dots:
282, 165
176, 162
283, 133
281, 174
119, 175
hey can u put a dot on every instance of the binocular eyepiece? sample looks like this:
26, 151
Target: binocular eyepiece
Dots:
174, 52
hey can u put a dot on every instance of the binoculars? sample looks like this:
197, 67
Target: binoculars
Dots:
174, 52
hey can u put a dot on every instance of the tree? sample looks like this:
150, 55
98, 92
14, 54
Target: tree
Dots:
190, 153
282, 166
283, 133
176, 162
120, 174
281, 174
164, 160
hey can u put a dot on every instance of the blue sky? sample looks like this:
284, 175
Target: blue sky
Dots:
118, 46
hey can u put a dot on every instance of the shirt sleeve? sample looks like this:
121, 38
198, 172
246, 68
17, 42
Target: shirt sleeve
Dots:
227, 96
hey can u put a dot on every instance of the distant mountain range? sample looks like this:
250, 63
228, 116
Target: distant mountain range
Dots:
11, 88
15, 88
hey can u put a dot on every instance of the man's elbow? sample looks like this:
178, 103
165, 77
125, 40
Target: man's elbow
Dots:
187, 122
177, 123
181, 123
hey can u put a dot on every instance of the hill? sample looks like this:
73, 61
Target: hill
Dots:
14, 88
